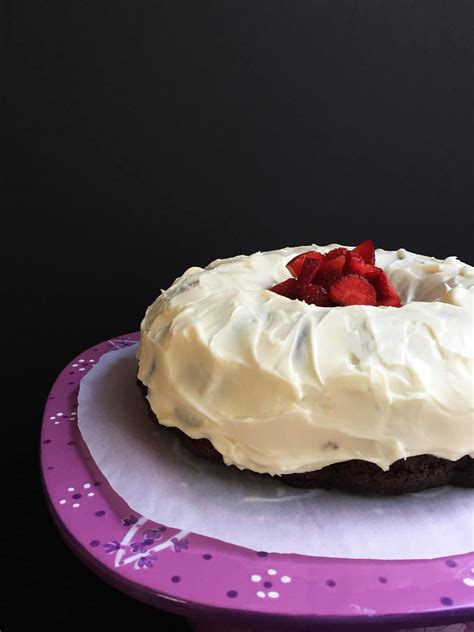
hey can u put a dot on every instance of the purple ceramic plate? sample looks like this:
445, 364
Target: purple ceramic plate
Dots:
202, 577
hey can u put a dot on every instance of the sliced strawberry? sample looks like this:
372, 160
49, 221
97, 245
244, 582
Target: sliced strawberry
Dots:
285, 288
386, 293
330, 270
328, 278
334, 264
356, 265
315, 294
352, 289
365, 251
308, 271
296, 264
340, 277
336, 252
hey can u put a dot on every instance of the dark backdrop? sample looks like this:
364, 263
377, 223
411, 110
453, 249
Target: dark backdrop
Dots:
145, 137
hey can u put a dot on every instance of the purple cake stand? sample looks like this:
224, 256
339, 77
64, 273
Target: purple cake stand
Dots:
212, 582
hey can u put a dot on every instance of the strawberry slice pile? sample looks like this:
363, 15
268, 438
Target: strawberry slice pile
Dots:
340, 277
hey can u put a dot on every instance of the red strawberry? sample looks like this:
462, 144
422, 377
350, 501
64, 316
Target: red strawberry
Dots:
365, 251
285, 288
350, 275
334, 264
336, 252
315, 295
352, 289
356, 265
296, 264
329, 270
386, 293
308, 271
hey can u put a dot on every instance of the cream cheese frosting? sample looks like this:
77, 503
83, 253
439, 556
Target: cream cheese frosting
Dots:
280, 386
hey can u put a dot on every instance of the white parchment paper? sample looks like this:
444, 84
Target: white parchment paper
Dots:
147, 466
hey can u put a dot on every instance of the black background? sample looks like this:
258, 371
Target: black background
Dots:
145, 137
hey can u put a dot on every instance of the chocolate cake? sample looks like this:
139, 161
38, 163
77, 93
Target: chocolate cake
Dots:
323, 366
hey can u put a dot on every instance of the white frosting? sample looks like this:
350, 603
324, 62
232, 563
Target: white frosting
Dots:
280, 386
